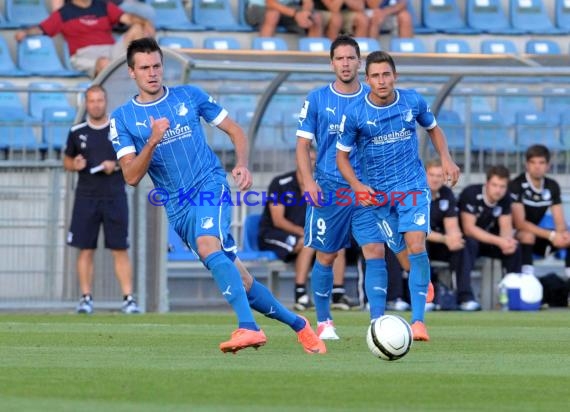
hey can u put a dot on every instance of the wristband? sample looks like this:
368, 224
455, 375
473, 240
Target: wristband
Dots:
551, 236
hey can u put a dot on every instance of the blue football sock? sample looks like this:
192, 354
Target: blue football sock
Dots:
262, 300
228, 279
418, 283
322, 281
376, 286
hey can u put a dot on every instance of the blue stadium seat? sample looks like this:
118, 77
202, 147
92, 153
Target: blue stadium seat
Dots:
511, 100
176, 42
314, 44
269, 44
177, 248
537, 127
42, 95
402, 45
419, 27
217, 15
488, 16
56, 124
452, 46
489, 132
531, 16
498, 46
7, 66
38, 56
453, 127
250, 245
466, 102
171, 15
562, 15
565, 130
445, 16
543, 46
556, 100
367, 44
25, 13
221, 43
10, 99
17, 132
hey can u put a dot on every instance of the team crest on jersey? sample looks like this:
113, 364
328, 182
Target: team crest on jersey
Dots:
443, 205
419, 219
207, 223
181, 109
408, 115
113, 135
497, 210
546, 195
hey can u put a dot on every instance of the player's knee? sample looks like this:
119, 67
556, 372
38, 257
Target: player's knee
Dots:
373, 251
207, 245
326, 259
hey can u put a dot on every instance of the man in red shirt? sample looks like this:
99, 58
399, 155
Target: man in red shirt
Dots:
86, 26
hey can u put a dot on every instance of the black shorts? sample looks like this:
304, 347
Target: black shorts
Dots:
90, 213
280, 242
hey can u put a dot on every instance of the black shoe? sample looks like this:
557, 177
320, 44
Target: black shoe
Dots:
343, 302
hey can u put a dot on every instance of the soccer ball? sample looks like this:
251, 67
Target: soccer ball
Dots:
389, 337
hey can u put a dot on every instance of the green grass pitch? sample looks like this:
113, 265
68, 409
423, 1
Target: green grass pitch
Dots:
486, 361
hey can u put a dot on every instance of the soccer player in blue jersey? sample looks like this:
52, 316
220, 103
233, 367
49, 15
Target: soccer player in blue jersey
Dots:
328, 224
382, 125
158, 131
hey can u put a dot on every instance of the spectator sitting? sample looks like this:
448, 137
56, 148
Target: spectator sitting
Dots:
86, 26
385, 15
297, 16
343, 16
487, 224
533, 193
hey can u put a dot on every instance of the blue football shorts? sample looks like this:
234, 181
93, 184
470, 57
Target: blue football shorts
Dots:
410, 214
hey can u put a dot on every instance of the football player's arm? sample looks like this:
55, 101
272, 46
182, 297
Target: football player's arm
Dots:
364, 194
305, 167
522, 225
281, 222
450, 169
135, 166
240, 172
470, 229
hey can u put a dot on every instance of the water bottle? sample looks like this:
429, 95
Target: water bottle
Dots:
503, 297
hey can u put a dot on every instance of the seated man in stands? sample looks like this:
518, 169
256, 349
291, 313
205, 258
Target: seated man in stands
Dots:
385, 14
282, 231
533, 193
86, 26
296, 16
343, 16
487, 224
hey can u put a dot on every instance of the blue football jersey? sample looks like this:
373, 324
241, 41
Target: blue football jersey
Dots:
182, 160
387, 141
319, 119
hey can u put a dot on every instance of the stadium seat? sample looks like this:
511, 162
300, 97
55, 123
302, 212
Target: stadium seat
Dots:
38, 56
565, 130
401, 45
177, 248
452, 46
171, 15
562, 15
465, 102
250, 244
537, 127
453, 127
176, 42
56, 124
445, 16
367, 44
217, 15
419, 27
490, 132
25, 13
543, 46
7, 66
269, 44
42, 95
10, 99
556, 100
314, 44
17, 133
488, 16
221, 43
511, 100
498, 46
531, 17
